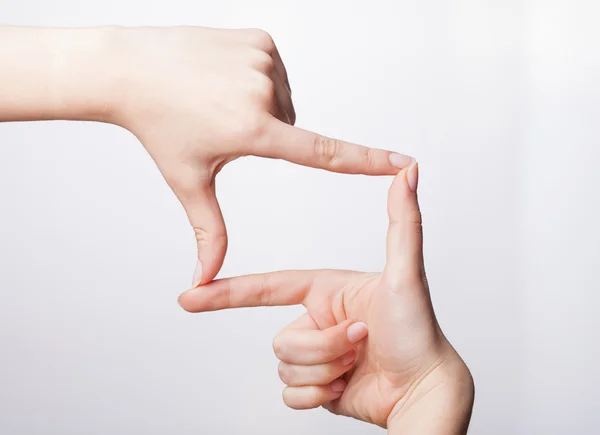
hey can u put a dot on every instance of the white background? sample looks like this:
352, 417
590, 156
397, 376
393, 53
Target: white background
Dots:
497, 99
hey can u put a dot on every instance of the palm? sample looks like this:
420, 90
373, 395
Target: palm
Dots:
402, 337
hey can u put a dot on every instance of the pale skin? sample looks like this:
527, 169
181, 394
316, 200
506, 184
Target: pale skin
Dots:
369, 345
198, 98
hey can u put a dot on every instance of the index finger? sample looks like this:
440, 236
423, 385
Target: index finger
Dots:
261, 290
317, 151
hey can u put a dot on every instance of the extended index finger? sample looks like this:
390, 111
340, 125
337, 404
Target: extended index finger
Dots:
261, 290
306, 148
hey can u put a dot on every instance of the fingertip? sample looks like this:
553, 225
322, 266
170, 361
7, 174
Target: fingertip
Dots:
185, 301
210, 232
400, 161
211, 255
403, 188
408, 176
398, 180
356, 332
312, 396
412, 176
197, 279
338, 386
318, 151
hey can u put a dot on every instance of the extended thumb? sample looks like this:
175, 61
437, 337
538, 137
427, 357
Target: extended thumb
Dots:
405, 233
206, 219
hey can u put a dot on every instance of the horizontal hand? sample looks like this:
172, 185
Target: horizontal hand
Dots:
197, 98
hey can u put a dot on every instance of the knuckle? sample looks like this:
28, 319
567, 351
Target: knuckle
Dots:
327, 352
419, 229
205, 237
330, 373
330, 347
251, 130
413, 279
284, 372
416, 218
416, 221
405, 281
326, 149
263, 62
202, 236
261, 39
279, 346
184, 186
367, 157
266, 291
264, 90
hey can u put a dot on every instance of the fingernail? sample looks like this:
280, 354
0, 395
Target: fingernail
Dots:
348, 358
197, 275
412, 176
338, 385
356, 332
400, 161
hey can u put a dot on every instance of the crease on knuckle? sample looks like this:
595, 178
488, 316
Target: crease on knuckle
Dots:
227, 295
416, 217
327, 149
416, 221
367, 157
411, 220
204, 237
266, 294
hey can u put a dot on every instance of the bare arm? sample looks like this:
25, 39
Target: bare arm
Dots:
51, 73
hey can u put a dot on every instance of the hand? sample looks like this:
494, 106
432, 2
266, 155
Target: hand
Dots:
198, 98
405, 375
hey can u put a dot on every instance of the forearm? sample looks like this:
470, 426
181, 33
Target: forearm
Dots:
54, 73
441, 405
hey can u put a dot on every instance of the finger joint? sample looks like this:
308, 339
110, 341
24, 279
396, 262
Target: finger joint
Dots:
326, 149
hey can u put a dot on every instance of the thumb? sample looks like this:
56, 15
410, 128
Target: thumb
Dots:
404, 259
205, 216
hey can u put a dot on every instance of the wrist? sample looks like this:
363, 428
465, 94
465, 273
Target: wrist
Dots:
87, 74
57, 73
440, 404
